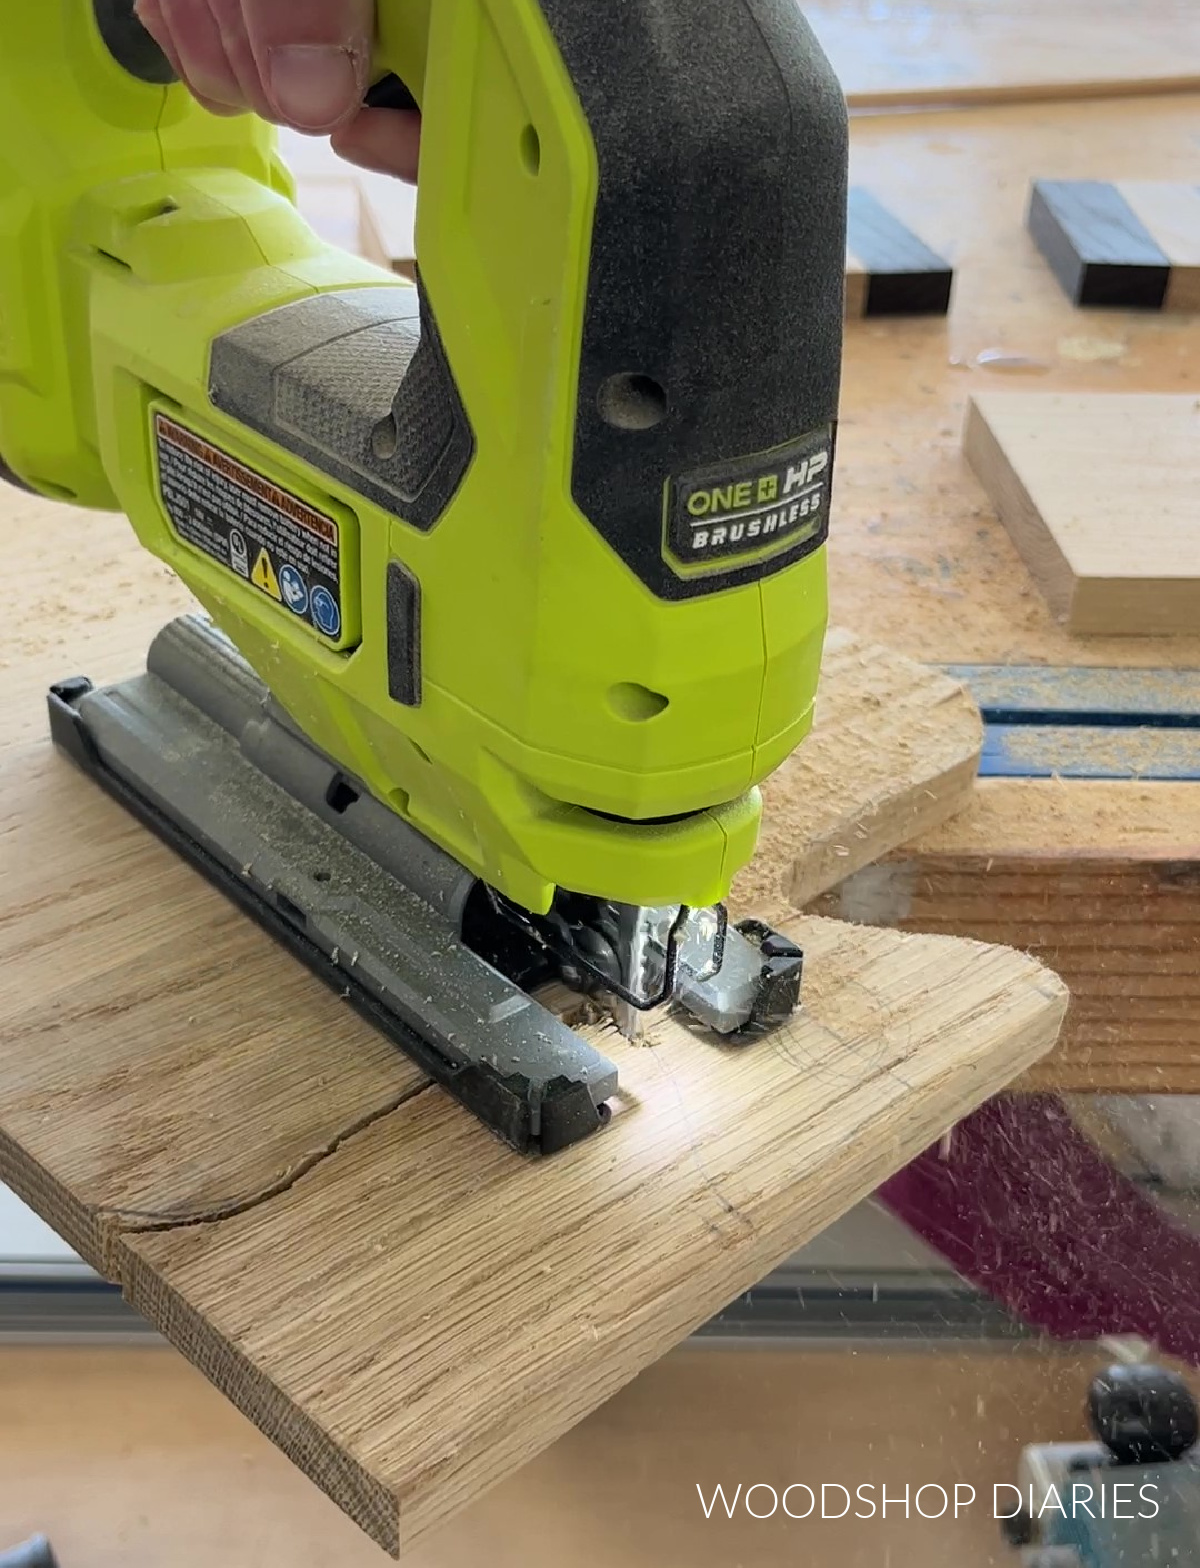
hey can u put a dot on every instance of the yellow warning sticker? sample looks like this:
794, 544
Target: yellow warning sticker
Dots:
263, 576
263, 534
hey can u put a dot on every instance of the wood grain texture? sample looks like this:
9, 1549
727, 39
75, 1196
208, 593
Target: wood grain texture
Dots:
1099, 495
1102, 882
407, 1308
894, 748
996, 51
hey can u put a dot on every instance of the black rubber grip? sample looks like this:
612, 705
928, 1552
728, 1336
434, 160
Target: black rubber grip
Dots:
713, 325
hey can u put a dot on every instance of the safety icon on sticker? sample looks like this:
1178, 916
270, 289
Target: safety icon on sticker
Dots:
325, 613
263, 576
294, 590
239, 552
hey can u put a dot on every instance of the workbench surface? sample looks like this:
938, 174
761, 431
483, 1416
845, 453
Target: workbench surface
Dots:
911, 51
125, 1459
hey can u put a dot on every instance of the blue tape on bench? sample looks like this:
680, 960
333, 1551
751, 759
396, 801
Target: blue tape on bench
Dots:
1083, 723
1079, 751
1030, 694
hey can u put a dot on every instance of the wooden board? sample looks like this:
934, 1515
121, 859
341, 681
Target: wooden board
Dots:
1100, 881
894, 749
996, 51
407, 1308
1099, 495
125, 1458
1135, 243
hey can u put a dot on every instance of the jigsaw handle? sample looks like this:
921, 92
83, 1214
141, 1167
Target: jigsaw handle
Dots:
661, 186
662, 183
578, 480
644, 203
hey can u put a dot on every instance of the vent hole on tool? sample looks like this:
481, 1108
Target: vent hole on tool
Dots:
636, 704
632, 402
340, 795
420, 751
385, 439
113, 261
322, 876
531, 150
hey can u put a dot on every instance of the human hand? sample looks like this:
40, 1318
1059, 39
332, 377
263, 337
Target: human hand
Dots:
301, 63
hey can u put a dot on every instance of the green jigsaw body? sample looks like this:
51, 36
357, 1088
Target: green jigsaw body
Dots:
572, 724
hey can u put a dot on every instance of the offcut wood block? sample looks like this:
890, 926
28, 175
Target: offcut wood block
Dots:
889, 271
1134, 243
1099, 493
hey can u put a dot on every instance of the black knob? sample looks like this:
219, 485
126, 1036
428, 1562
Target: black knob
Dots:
1143, 1415
130, 45
1019, 1529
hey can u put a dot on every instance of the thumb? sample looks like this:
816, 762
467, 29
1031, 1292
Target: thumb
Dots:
313, 56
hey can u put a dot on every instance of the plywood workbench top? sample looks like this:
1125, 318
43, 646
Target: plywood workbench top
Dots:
920, 560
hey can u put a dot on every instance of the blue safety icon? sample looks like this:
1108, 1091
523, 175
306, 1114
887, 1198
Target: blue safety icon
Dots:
294, 590
325, 613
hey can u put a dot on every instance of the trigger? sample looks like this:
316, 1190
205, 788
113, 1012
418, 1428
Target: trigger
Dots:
389, 92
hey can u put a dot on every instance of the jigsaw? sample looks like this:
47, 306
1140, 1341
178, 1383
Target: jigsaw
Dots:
513, 580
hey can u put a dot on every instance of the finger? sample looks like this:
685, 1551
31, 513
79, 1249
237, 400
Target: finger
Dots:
224, 110
230, 20
385, 140
204, 64
313, 57
149, 14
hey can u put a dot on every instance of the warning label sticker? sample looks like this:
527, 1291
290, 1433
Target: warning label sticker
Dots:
282, 546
